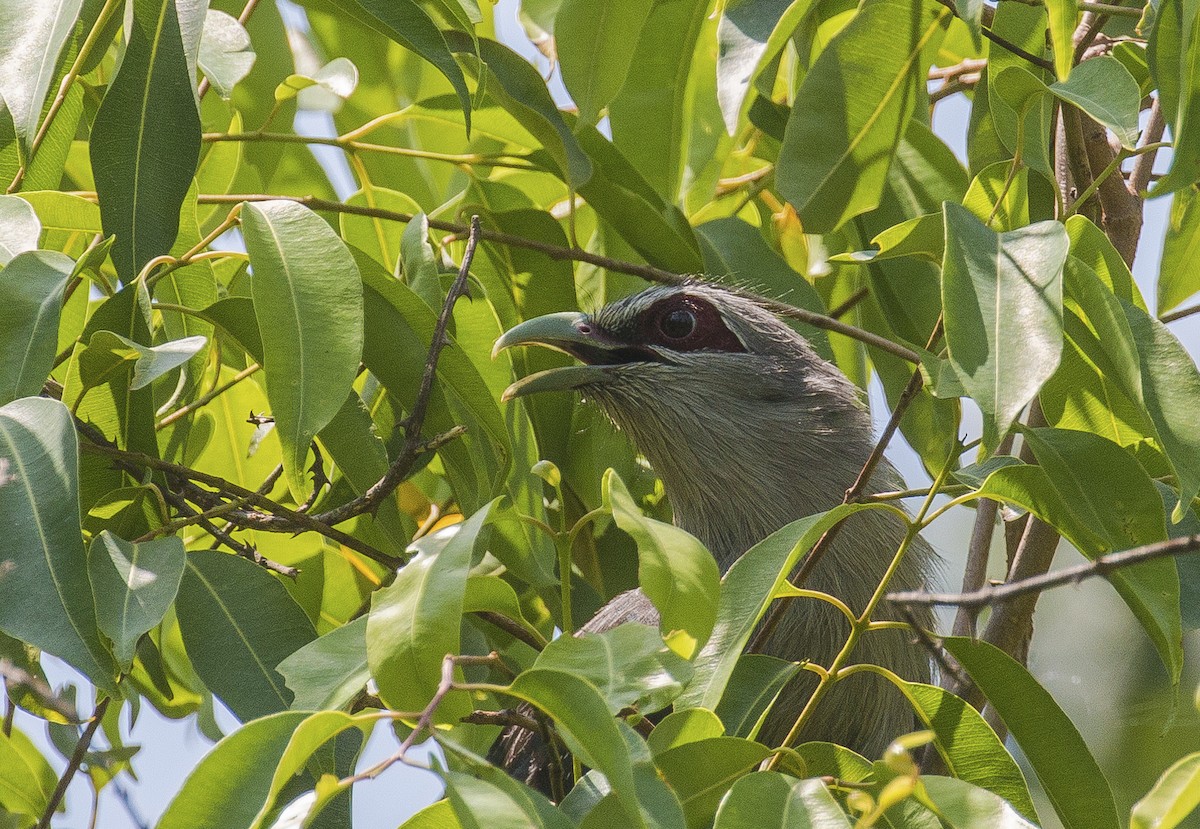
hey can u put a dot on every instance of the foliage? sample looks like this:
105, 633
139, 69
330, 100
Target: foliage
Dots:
384, 540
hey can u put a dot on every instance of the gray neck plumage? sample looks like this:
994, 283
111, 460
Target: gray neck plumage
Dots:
767, 456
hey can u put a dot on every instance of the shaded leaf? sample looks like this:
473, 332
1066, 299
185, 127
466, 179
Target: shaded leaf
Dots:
701, 772
965, 806
758, 798
851, 112
238, 624
1069, 775
134, 585
146, 140
32, 284
1002, 294
330, 670
1178, 278
595, 42
45, 598
675, 570
309, 304
754, 685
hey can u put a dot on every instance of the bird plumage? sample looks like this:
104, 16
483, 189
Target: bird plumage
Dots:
749, 430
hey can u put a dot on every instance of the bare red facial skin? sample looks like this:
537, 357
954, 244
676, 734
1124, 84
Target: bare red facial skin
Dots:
686, 323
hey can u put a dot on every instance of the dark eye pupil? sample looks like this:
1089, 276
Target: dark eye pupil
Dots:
678, 324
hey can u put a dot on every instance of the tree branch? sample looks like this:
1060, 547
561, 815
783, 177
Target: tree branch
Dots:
81, 747
999, 594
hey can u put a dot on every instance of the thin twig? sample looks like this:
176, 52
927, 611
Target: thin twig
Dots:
1139, 177
648, 272
513, 629
1180, 314
1005, 43
204, 400
992, 595
81, 747
846, 305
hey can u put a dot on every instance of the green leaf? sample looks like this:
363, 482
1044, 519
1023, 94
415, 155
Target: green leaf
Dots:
226, 55
1177, 279
595, 41
675, 570
701, 772
1062, 16
19, 228
680, 727
308, 300
746, 591
405, 22
330, 670
1171, 389
134, 585
490, 799
514, 84
438, 815
1174, 57
1002, 295
22, 790
238, 624
45, 598
107, 352
229, 786
965, 806
919, 236
1024, 27
653, 115
32, 284
420, 268
36, 32
414, 623
753, 687
1102, 88
628, 665
146, 140
768, 798
1068, 773
852, 109
970, 749
1173, 797
583, 720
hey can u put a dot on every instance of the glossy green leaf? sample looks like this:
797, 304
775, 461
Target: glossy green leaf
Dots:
414, 623
595, 42
107, 352
309, 304
229, 786
45, 598
675, 570
1062, 16
492, 593
653, 112
439, 815
1024, 27
490, 799
405, 22
970, 749
1174, 56
768, 798
134, 585
1090, 245
920, 236
1171, 389
1104, 89
36, 32
239, 623
330, 670
628, 665
755, 684
226, 55
583, 720
965, 806
1068, 773
32, 284
746, 591
680, 727
146, 140
701, 772
1174, 796
516, 86
750, 35
1177, 278
20, 228
1002, 295
851, 112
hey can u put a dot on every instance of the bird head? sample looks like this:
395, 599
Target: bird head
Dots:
721, 396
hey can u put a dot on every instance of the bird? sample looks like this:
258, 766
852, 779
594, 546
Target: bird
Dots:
749, 429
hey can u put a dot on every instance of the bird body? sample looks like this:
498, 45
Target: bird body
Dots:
749, 430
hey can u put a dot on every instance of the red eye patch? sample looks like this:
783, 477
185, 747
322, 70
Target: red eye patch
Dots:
686, 323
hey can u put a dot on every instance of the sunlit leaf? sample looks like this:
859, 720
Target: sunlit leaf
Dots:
36, 32
226, 55
1175, 796
757, 799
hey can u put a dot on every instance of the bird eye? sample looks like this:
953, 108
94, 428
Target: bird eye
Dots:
678, 323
